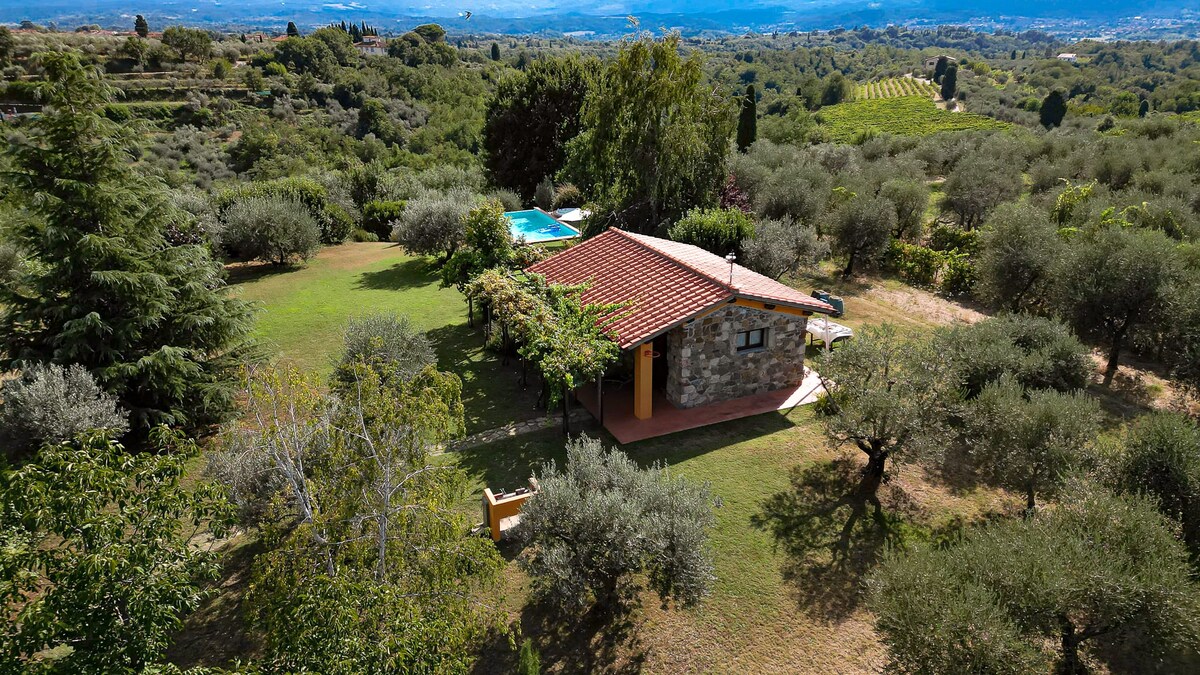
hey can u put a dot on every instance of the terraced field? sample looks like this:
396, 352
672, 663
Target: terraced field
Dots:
903, 116
895, 87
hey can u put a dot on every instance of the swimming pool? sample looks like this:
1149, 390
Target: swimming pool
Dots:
538, 227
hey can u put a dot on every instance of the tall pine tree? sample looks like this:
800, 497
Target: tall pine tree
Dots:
747, 128
107, 290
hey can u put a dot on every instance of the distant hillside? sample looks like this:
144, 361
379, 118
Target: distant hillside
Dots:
1074, 17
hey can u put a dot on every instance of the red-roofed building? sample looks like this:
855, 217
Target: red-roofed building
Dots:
700, 329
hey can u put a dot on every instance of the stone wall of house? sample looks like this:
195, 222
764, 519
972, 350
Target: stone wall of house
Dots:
704, 365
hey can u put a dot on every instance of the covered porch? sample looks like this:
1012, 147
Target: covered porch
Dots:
620, 406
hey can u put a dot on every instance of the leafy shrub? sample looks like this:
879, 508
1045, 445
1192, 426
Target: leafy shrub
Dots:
378, 217
945, 238
958, 276
387, 342
509, 200
52, 404
915, 264
273, 229
544, 195
361, 235
336, 224
567, 195
528, 661
718, 231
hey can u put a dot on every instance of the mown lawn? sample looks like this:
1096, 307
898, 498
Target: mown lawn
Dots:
303, 311
772, 609
902, 115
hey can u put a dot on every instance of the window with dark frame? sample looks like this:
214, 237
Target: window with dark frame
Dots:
751, 339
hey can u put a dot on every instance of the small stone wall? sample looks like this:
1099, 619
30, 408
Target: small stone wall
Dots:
705, 367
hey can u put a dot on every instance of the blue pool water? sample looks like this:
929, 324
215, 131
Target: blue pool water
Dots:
535, 226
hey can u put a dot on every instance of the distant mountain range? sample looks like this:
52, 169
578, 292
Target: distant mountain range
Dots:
607, 17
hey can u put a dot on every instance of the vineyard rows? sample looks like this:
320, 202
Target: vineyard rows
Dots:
895, 87
902, 116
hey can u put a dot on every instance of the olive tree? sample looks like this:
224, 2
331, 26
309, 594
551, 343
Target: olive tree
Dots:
601, 523
1029, 442
434, 224
385, 341
1028, 594
1159, 456
781, 247
1113, 279
978, 185
52, 404
1038, 353
862, 229
884, 394
273, 229
1018, 251
909, 197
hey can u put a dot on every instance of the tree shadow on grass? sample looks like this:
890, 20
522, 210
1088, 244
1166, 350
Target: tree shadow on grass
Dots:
596, 641
411, 273
493, 393
834, 524
242, 273
216, 634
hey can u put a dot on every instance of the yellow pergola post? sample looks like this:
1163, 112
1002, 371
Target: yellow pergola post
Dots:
643, 381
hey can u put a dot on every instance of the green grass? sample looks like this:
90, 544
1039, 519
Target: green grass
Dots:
304, 310
767, 611
904, 115
895, 87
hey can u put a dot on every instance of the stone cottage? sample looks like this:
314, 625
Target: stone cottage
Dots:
700, 328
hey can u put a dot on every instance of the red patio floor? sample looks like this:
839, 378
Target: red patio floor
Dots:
667, 419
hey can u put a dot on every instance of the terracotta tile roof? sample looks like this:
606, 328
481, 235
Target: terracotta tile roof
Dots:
666, 281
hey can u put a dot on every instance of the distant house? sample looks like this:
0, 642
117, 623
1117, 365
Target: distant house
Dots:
931, 62
1070, 58
257, 37
372, 45
705, 340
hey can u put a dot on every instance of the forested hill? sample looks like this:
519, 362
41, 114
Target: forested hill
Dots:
1134, 19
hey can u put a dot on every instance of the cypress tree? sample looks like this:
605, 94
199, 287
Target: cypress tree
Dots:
107, 290
747, 128
495, 52
1144, 108
292, 31
140, 26
940, 68
1054, 109
950, 82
